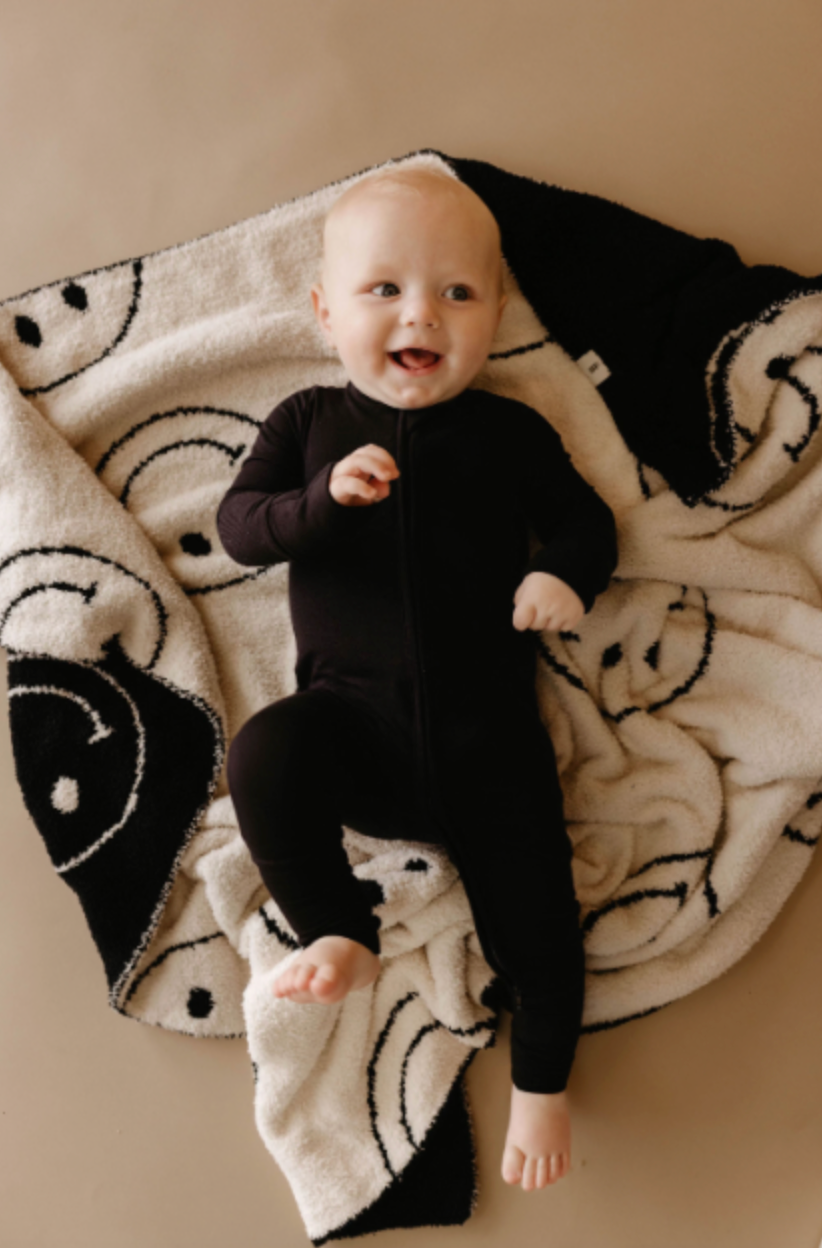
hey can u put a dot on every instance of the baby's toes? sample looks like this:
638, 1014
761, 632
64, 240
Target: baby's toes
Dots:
543, 1172
327, 980
529, 1174
558, 1167
512, 1162
303, 975
284, 985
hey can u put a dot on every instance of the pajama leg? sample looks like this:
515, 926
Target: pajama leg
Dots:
294, 770
508, 840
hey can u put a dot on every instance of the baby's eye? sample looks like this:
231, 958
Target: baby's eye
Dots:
393, 288
462, 295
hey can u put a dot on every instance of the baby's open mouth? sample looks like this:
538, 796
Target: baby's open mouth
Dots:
415, 359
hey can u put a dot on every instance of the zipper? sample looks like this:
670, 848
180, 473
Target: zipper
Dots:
415, 645
406, 514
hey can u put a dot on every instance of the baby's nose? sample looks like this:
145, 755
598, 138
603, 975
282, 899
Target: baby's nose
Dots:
420, 311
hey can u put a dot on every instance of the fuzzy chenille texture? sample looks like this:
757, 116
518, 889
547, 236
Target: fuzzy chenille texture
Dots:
685, 709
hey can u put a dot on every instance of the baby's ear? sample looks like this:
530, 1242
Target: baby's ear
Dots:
321, 311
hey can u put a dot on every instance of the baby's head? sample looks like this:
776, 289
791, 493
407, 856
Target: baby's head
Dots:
410, 292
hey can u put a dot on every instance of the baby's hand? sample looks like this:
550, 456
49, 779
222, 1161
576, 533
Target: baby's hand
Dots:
362, 477
546, 601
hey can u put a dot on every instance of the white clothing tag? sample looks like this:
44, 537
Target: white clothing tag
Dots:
594, 367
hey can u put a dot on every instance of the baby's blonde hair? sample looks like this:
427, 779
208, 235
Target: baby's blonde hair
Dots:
419, 179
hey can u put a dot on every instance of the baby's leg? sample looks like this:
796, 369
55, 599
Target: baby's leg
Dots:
287, 769
514, 856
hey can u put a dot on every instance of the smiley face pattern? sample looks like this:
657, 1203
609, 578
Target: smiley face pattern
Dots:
55, 333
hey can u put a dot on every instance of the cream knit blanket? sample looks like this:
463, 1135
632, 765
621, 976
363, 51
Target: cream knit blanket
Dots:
686, 711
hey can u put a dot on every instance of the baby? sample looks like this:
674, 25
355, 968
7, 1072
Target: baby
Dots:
402, 503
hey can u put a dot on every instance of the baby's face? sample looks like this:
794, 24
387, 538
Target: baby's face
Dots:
410, 295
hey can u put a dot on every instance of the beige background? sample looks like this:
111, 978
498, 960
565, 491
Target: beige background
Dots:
129, 125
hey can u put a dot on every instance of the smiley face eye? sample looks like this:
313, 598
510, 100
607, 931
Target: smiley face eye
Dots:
75, 296
65, 795
651, 655
28, 331
195, 544
200, 1003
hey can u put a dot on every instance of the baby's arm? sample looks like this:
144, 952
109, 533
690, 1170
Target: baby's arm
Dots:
271, 514
577, 530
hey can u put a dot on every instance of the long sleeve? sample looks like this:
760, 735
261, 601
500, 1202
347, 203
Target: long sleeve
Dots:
270, 514
575, 526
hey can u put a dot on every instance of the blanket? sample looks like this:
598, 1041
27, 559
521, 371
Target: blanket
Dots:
685, 709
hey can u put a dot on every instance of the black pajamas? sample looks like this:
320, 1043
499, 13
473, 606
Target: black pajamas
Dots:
415, 715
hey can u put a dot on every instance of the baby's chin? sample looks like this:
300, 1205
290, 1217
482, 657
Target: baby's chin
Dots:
413, 394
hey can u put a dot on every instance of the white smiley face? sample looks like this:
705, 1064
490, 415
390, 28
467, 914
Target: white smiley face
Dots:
50, 335
191, 986
170, 472
658, 646
646, 646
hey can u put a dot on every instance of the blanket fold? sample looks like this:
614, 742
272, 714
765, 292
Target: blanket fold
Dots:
685, 710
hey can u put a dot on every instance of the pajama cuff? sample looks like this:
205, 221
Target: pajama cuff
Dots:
328, 520
365, 931
542, 1053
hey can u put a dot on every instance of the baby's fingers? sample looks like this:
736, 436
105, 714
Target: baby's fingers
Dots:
363, 466
562, 624
524, 616
370, 491
354, 491
373, 461
553, 621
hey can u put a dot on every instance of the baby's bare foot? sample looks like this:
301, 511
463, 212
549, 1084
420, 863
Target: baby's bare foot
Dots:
327, 971
538, 1144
